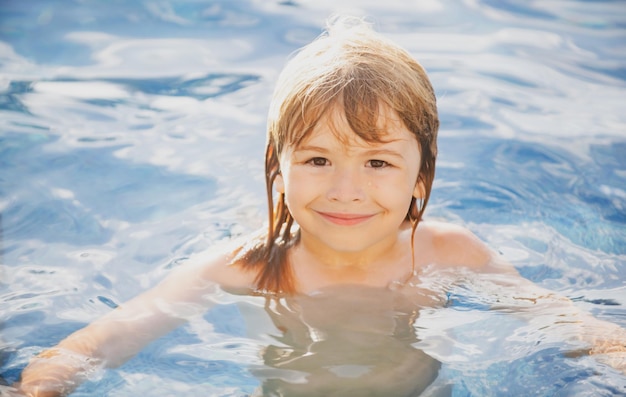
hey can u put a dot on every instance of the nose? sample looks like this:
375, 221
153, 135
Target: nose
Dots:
346, 186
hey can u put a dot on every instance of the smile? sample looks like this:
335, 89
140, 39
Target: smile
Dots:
345, 219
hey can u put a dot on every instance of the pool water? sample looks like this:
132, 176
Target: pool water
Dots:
132, 135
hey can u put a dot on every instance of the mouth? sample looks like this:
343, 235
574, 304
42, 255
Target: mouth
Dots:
345, 219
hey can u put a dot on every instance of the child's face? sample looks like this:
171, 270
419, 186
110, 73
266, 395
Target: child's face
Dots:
347, 194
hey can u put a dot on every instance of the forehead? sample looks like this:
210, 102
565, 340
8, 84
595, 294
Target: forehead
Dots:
388, 127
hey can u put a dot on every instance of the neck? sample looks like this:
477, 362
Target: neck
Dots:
316, 265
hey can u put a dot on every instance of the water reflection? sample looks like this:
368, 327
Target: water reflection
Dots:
128, 139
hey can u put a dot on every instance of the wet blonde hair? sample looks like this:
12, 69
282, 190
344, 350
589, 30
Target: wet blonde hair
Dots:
355, 68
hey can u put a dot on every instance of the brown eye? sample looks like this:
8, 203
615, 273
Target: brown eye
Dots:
318, 161
378, 163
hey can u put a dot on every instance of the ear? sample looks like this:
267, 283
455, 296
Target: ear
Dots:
420, 190
279, 184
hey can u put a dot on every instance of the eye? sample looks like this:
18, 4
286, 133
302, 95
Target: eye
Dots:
318, 161
378, 163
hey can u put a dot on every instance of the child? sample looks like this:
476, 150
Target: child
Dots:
351, 152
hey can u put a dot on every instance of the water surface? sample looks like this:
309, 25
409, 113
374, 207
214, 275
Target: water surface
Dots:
132, 134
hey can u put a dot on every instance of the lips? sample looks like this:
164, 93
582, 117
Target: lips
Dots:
344, 219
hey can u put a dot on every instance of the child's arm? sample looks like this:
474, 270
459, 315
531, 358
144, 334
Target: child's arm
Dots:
548, 310
111, 340
512, 292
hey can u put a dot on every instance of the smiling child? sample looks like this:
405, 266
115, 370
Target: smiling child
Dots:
351, 150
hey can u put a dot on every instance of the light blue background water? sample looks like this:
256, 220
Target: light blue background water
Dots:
132, 133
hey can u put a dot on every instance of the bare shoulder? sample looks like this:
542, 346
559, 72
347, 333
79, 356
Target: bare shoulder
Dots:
452, 245
205, 270
219, 265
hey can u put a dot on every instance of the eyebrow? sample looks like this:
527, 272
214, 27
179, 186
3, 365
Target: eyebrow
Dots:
370, 152
388, 152
310, 148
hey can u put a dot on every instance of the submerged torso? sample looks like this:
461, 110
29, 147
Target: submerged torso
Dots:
352, 340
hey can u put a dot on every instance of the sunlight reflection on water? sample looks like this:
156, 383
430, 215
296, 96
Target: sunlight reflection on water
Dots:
132, 136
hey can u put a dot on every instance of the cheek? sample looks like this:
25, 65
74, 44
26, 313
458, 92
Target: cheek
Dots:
395, 193
295, 187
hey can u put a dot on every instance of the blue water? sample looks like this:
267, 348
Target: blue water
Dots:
132, 135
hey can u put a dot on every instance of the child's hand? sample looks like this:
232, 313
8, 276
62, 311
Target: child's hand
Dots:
55, 372
11, 391
613, 355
